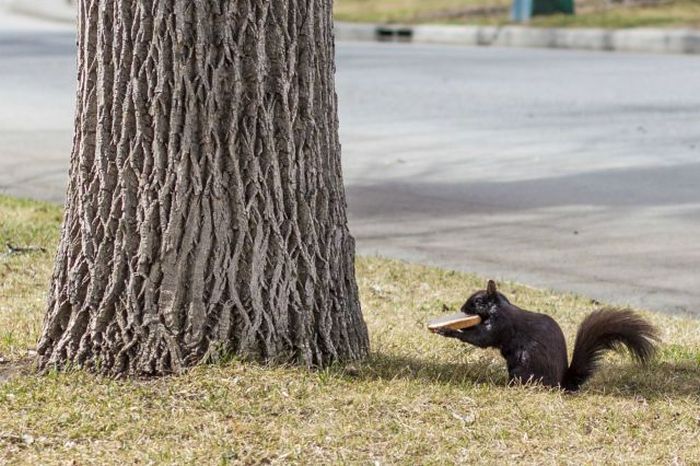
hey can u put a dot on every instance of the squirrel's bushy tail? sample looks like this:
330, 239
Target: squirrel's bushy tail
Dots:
608, 329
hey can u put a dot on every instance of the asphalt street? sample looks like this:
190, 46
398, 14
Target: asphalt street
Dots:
577, 171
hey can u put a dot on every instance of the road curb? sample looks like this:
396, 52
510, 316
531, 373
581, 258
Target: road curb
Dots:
676, 41
44, 9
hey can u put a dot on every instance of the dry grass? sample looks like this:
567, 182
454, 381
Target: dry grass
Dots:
590, 13
417, 399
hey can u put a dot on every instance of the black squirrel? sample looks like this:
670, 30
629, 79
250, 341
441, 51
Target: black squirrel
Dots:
534, 346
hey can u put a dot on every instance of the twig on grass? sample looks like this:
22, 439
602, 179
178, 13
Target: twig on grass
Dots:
13, 250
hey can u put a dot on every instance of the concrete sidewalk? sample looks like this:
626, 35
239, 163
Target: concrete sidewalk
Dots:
60, 11
20, 16
618, 40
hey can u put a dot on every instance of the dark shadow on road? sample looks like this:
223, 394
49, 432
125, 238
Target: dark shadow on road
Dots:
638, 187
37, 45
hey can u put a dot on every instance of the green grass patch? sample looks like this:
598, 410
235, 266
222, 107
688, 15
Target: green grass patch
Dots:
590, 13
407, 11
682, 13
418, 399
24, 277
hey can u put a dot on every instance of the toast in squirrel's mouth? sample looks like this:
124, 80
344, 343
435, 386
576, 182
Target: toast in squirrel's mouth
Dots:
455, 321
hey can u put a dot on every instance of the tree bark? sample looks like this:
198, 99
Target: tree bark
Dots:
205, 213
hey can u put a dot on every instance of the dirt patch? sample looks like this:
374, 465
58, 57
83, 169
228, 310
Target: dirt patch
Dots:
11, 369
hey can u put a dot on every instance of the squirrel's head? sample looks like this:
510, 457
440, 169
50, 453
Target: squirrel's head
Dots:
485, 303
491, 306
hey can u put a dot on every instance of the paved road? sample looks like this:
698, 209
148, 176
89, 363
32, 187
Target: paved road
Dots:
571, 170
37, 92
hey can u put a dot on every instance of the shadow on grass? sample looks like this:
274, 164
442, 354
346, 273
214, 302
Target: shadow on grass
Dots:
385, 366
11, 369
661, 379
658, 380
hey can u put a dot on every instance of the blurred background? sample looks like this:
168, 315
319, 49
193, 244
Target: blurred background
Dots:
577, 170
554, 13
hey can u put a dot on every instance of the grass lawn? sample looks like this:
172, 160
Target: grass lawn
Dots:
407, 11
418, 398
590, 13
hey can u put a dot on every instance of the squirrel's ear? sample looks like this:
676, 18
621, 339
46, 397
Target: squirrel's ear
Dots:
491, 288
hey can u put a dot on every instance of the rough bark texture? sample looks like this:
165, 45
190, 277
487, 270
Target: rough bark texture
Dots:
206, 209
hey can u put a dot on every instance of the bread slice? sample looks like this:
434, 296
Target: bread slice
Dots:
456, 321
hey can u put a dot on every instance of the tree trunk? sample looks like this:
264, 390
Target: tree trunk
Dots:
205, 211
